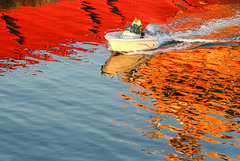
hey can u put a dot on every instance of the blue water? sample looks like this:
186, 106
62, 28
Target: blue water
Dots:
68, 110
67, 113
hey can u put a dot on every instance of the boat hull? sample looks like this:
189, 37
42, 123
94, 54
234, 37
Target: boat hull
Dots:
119, 44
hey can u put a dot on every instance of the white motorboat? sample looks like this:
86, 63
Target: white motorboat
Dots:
124, 41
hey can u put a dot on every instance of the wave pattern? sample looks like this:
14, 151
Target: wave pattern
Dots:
200, 90
190, 88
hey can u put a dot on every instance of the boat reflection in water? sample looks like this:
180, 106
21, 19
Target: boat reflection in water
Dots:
194, 97
190, 99
117, 64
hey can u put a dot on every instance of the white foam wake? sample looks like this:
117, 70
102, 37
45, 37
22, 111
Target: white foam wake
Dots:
185, 38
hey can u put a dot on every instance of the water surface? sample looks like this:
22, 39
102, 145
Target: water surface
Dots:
65, 96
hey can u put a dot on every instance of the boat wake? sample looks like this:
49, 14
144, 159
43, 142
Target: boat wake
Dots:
178, 34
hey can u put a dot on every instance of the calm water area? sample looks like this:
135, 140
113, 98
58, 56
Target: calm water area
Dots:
65, 97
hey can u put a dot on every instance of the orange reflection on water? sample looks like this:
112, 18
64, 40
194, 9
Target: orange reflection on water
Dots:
200, 90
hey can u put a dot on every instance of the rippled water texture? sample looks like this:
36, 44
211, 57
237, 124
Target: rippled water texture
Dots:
65, 96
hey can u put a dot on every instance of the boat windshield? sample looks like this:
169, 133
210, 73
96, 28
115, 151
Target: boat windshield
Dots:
128, 26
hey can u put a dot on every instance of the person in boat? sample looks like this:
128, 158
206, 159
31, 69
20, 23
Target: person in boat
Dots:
136, 26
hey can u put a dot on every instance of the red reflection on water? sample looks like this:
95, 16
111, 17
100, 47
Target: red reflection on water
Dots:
199, 89
43, 26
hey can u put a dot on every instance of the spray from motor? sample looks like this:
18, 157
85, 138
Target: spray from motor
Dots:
179, 39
